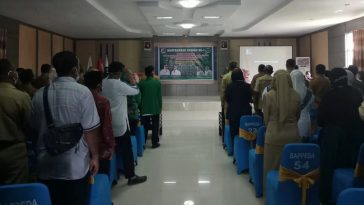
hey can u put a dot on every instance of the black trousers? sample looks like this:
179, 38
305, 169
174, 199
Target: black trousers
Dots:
69, 192
133, 126
234, 129
147, 120
125, 151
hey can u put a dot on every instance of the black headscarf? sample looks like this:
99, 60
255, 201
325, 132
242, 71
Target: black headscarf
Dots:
338, 77
237, 75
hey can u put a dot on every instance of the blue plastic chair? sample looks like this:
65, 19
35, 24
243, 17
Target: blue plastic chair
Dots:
249, 124
35, 193
100, 193
140, 140
227, 140
346, 178
352, 196
134, 145
302, 159
256, 162
113, 172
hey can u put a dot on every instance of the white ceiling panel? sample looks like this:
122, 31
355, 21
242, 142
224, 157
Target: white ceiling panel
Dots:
137, 18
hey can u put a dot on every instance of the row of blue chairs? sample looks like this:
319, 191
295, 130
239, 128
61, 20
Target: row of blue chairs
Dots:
100, 193
296, 181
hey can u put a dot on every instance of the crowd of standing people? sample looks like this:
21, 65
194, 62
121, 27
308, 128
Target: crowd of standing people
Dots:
73, 129
295, 109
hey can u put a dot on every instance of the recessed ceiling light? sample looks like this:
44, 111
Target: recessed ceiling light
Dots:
338, 11
164, 17
189, 202
203, 182
187, 25
211, 17
202, 34
189, 3
170, 182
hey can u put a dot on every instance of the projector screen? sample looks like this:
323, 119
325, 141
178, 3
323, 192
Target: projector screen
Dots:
252, 56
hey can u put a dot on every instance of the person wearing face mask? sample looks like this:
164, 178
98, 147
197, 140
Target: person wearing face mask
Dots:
15, 109
66, 174
93, 80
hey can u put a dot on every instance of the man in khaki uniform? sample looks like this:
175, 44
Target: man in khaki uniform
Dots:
262, 83
261, 73
15, 109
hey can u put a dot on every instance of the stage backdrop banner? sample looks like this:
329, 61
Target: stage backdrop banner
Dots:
186, 63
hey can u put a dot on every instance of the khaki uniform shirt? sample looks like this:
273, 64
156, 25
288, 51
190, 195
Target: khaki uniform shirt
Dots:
15, 107
262, 83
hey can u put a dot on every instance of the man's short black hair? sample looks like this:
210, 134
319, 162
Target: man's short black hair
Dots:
354, 69
233, 65
64, 62
45, 68
268, 69
320, 69
92, 79
290, 63
26, 76
116, 66
149, 71
5, 67
261, 68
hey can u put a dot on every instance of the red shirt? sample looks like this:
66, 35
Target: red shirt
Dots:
107, 140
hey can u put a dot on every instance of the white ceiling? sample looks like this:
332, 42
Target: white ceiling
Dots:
137, 18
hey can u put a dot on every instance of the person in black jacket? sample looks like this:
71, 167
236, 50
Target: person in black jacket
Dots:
238, 95
341, 134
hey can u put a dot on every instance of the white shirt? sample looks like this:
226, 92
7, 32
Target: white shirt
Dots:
69, 102
165, 72
117, 91
176, 73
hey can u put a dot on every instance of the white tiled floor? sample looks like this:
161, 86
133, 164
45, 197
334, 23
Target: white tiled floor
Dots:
190, 152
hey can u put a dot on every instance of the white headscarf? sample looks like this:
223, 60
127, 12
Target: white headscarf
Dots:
350, 76
299, 83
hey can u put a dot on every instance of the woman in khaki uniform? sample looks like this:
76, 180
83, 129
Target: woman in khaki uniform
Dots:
281, 107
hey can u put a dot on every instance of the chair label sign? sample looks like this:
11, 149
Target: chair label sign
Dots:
302, 160
28, 202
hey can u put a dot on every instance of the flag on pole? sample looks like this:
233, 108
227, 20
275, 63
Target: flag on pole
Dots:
100, 64
106, 64
89, 63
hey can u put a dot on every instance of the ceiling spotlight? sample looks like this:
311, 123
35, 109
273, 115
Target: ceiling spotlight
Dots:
189, 3
164, 17
187, 25
211, 17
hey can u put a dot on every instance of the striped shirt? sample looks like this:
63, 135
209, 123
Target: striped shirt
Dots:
69, 102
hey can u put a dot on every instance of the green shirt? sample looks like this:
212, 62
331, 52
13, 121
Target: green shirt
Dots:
15, 107
151, 90
133, 101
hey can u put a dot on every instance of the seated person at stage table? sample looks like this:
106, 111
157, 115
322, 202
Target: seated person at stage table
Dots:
175, 72
200, 72
281, 108
342, 129
164, 71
